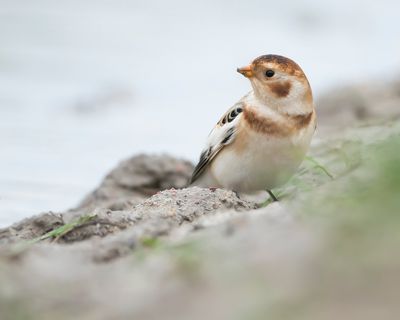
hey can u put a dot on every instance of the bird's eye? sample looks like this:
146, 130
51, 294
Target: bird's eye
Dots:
269, 73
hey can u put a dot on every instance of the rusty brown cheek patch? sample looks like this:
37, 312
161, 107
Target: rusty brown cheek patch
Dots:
280, 89
281, 129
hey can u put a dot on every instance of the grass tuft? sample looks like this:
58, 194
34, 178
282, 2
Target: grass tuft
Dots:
64, 229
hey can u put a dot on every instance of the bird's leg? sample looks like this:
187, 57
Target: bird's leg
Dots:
269, 200
274, 199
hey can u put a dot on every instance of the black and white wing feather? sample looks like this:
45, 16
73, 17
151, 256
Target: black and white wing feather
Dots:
224, 133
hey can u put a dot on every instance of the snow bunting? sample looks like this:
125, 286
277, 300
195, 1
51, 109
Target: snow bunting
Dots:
259, 143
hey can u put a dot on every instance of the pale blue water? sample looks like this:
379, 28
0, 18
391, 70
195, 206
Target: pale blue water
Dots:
84, 84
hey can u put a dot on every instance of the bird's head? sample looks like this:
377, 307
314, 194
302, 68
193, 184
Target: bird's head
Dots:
278, 81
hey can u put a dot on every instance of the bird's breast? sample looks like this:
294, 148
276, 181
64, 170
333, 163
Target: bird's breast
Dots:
258, 160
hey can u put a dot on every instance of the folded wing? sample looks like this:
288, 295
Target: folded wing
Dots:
224, 133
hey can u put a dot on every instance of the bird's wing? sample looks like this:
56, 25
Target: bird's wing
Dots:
224, 133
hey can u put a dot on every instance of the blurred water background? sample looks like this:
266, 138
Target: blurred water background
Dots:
85, 84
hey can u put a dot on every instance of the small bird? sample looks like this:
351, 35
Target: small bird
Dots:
259, 143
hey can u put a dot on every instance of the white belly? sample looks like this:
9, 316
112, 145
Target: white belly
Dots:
264, 163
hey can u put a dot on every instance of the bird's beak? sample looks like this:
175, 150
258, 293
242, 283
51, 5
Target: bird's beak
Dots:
246, 71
